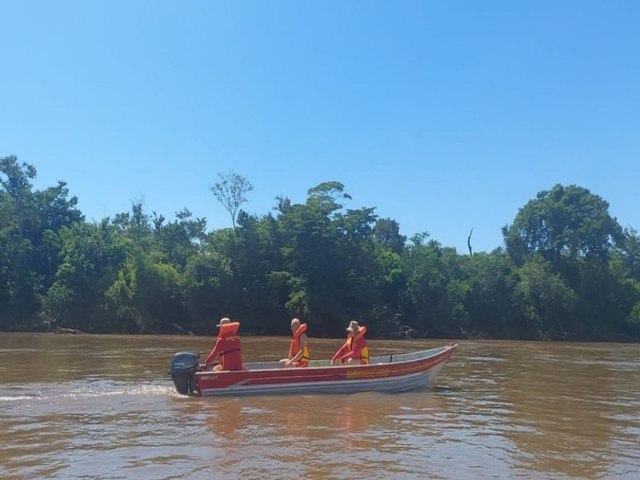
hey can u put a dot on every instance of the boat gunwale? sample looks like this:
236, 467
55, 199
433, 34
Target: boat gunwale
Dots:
375, 363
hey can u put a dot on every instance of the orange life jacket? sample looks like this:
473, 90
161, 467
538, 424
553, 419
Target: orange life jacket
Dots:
352, 340
228, 329
227, 348
294, 347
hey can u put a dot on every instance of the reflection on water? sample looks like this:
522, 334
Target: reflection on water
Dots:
572, 425
311, 435
104, 407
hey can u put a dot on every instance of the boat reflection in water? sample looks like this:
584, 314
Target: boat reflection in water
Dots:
320, 416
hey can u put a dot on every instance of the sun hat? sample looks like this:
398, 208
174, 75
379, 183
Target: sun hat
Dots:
223, 321
353, 327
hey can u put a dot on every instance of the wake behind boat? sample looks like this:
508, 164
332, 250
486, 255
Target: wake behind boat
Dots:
389, 373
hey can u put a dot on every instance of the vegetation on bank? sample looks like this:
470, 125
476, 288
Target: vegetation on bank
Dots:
568, 270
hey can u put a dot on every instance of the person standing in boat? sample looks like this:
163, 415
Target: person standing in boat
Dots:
299, 348
227, 348
355, 348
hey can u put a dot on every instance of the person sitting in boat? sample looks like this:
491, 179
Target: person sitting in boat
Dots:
355, 348
227, 348
299, 348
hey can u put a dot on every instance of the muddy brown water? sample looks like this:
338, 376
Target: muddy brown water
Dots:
103, 407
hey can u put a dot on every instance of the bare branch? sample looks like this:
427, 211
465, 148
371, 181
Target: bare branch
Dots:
230, 191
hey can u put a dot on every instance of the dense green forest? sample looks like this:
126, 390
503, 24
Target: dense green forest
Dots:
568, 270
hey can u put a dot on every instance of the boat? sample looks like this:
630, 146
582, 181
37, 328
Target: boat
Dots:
387, 373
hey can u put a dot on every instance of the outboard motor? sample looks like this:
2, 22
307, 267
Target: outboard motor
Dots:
183, 367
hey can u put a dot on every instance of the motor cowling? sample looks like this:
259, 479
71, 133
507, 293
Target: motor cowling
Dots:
183, 367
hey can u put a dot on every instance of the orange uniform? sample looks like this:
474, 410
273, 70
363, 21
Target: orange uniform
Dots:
355, 347
227, 348
294, 347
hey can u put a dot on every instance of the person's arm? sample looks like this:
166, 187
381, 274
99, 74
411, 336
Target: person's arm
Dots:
341, 351
217, 350
357, 349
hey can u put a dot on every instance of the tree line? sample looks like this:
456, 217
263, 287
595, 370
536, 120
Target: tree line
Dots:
567, 270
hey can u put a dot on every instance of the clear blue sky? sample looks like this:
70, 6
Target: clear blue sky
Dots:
444, 115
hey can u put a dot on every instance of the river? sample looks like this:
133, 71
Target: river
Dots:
103, 407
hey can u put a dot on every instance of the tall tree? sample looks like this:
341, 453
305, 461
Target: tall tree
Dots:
230, 191
546, 302
489, 300
563, 223
387, 233
436, 289
30, 222
181, 239
90, 257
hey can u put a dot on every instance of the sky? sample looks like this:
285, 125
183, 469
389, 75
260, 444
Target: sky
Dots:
443, 115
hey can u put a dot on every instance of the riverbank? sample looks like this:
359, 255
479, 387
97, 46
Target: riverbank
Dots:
550, 336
